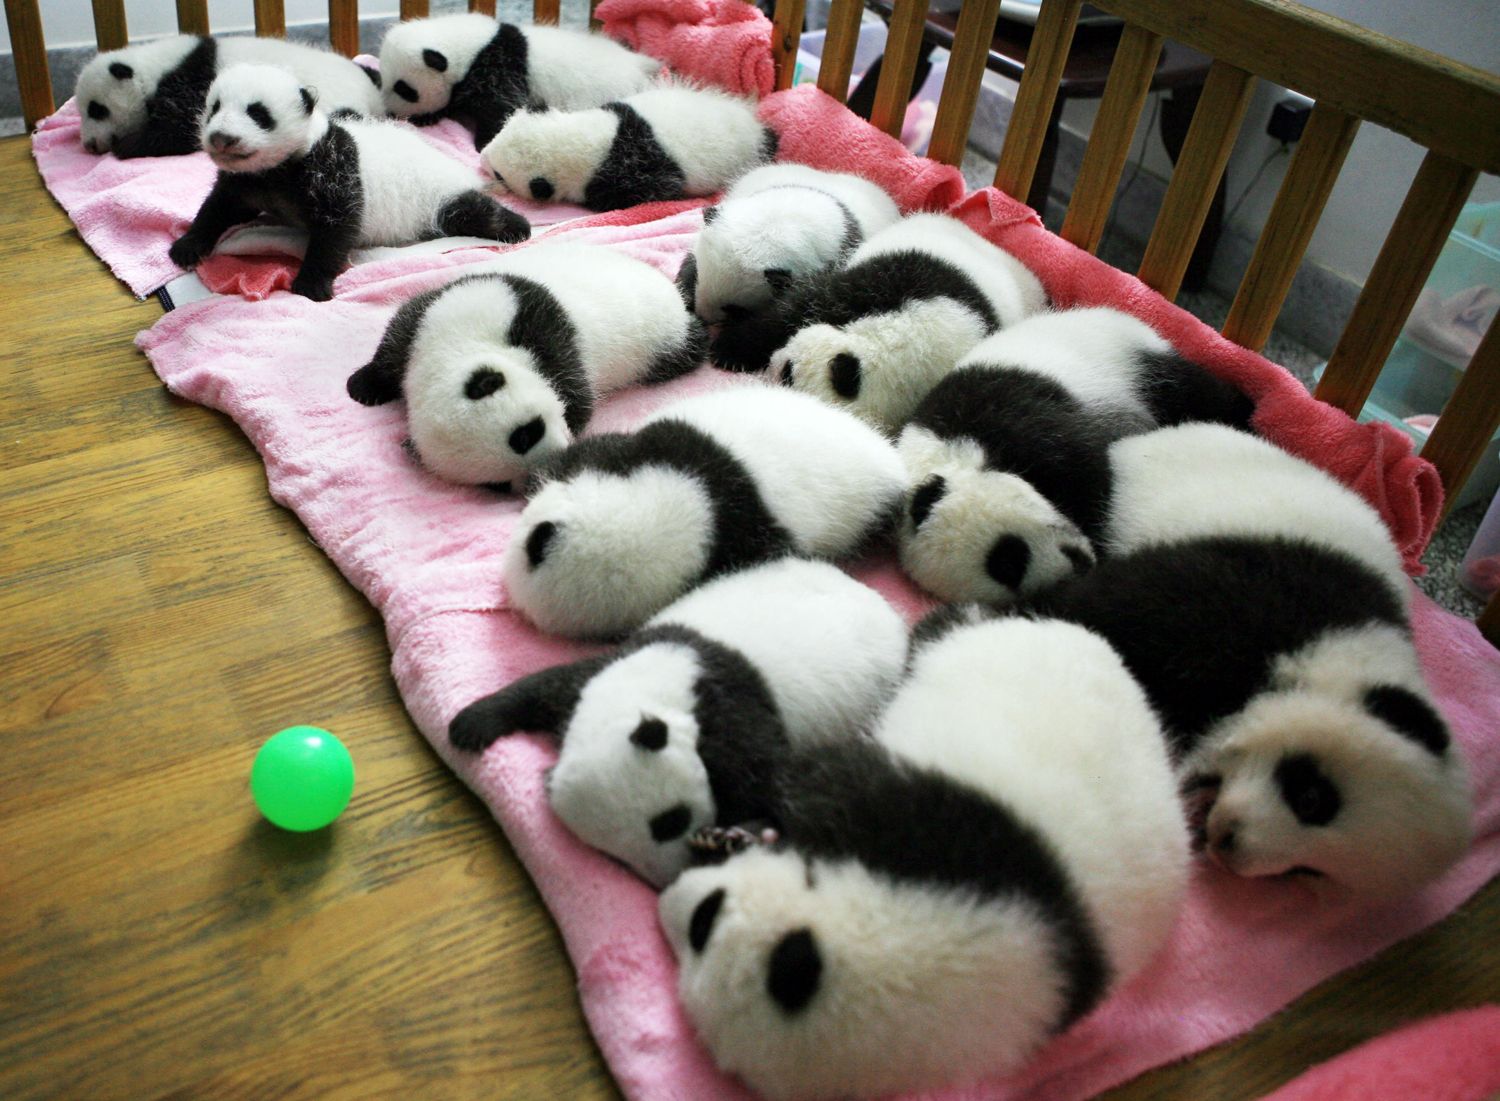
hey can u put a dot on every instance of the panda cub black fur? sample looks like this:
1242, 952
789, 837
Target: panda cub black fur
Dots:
470, 67
501, 368
348, 182
948, 895
1008, 456
146, 100
1262, 606
688, 723
668, 142
874, 333
623, 524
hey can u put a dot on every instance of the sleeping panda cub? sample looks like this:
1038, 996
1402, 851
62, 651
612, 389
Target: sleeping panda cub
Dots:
501, 368
348, 182
778, 223
687, 724
668, 142
1008, 456
624, 524
1262, 606
470, 67
946, 896
877, 333
146, 100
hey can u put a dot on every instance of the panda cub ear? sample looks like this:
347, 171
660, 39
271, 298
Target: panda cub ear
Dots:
309, 100
434, 60
709, 214
120, 71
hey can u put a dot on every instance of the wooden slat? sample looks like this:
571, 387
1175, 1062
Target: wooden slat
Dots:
545, 11
1200, 167
1304, 191
192, 16
594, 23
893, 91
487, 7
1411, 248
1050, 43
786, 32
1469, 419
109, 24
30, 51
1489, 620
837, 63
1439, 103
971, 48
343, 26
1109, 141
413, 9
270, 18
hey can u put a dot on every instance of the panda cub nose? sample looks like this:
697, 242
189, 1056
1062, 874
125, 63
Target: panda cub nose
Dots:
541, 188
220, 141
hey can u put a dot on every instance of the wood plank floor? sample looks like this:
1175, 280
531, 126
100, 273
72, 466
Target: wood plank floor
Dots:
159, 616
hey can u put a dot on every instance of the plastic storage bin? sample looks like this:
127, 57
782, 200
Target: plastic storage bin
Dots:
1480, 572
921, 112
1456, 306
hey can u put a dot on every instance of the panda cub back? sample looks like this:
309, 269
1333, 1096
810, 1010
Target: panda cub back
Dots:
625, 523
877, 334
946, 897
502, 368
779, 223
687, 725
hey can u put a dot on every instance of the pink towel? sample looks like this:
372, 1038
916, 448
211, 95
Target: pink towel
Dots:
722, 42
426, 555
1455, 1057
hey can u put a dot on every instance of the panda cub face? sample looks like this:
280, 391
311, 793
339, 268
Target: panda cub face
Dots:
1336, 772
111, 99
628, 779
881, 366
256, 117
418, 62
599, 553
745, 257
550, 156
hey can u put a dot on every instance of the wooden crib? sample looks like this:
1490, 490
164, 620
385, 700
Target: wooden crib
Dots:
236, 963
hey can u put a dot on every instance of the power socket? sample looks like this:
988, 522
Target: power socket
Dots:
1288, 120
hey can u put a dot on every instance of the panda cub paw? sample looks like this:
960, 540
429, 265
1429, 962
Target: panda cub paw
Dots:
188, 250
316, 286
716, 844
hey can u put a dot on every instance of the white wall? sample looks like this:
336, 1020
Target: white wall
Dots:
1380, 165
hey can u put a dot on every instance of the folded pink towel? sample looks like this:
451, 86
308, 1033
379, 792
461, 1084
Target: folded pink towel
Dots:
426, 555
1455, 1057
722, 42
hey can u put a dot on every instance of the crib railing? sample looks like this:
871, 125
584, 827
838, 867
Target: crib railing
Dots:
1353, 74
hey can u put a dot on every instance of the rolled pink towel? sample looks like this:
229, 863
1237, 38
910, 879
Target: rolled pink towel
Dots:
1455, 1057
726, 43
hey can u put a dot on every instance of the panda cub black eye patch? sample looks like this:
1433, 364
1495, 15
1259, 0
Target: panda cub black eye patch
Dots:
930, 493
537, 542
701, 924
844, 375
120, 71
214, 110
671, 824
1307, 791
541, 188
1008, 560
260, 116
524, 438
651, 734
434, 60
794, 971
405, 91
97, 111
482, 383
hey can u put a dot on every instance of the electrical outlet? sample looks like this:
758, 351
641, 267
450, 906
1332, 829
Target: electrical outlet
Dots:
1288, 120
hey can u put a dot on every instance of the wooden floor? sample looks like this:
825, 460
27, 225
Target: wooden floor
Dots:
159, 617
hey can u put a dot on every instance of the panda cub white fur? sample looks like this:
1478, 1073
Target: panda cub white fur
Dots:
470, 67
687, 724
778, 223
876, 334
1008, 455
668, 142
348, 182
1005, 852
1262, 606
145, 100
625, 523
501, 368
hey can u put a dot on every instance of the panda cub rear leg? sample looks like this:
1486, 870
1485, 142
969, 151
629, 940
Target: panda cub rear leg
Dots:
475, 214
678, 361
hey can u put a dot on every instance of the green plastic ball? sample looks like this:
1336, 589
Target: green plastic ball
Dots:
302, 778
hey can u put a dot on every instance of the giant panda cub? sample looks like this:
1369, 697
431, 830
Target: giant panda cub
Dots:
146, 100
778, 223
668, 142
687, 724
1262, 606
1008, 455
623, 524
1003, 854
470, 67
877, 333
501, 368
348, 182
